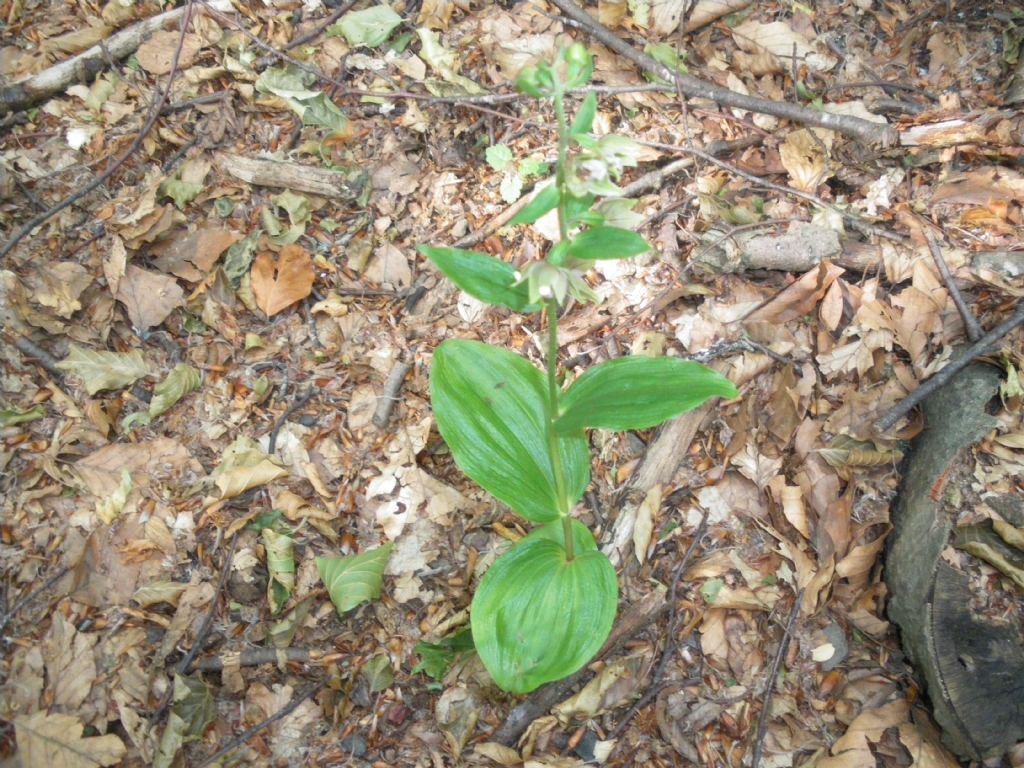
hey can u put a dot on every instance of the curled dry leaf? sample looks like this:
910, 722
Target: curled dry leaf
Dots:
279, 284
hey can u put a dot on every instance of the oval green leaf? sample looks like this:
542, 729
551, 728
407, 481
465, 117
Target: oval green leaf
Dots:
354, 579
585, 115
638, 392
543, 201
538, 617
491, 409
607, 243
481, 276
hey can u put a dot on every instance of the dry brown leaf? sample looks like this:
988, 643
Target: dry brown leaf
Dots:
157, 53
190, 256
858, 564
59, 285
798, 299
389, 266
805, 158
148, 297
70, 663
643, 528
280, 284
56, 742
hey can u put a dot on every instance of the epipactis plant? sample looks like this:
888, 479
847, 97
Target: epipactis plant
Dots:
546, 606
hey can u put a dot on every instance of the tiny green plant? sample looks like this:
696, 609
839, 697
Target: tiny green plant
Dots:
545, 607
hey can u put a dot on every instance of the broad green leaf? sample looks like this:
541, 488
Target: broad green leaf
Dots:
481, 276
377, 673
437, 658
638, 392
577, 208
491, 409
181, 192
582, 538
498, 156
320, 110
538, 617
607, 243
56, 740
280, 568
369, 27
544, 201
104, 370
11, 416
289, 82
354, 579
584, 120
193, 710
179, 382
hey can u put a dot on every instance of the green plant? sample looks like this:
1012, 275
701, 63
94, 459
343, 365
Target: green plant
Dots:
546, 606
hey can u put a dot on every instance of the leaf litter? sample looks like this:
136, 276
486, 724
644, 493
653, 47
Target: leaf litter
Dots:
190, 313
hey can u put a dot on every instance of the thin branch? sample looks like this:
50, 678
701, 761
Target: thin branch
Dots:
244, 736
299, 402
186, 663
974, 331
855, 220
393, 385
692, 87
254, 657
944, 376
312, 34
671, 641
27, 599
102, 179
769, 687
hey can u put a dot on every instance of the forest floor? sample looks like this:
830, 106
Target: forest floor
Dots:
215, 370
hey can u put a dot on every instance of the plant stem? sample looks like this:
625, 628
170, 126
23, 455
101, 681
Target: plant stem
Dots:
553, 442
563, 161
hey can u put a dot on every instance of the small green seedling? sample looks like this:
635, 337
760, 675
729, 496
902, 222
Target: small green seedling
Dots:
546, 606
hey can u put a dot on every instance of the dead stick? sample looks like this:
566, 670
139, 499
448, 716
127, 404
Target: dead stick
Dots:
389, 397
151, 118
863, 131
974, 331
671, 641
545, 697
254, 657
282, 713
186, 663
769, 687
944, 376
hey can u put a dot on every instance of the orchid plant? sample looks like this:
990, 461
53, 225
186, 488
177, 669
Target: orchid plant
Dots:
546, 606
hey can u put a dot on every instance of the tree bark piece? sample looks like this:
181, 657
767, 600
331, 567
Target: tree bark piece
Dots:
856, 128
339, 186
84, 66
973, 669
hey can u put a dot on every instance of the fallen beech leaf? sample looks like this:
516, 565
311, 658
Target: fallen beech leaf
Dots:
281, 284
148, 297
56, 741
104, 370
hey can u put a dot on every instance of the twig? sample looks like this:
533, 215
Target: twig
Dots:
318, 30
151, 119
393, 385
540, 701
16, 608
254, 657
84, 66
244, 736
856, 128
769, 687
209, 98
974, 331
853, 218
952, 368
45, 360
671, 641
204, 629
299, 402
